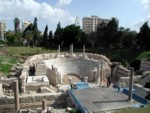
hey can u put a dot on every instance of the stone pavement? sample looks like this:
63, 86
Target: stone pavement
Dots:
102, 99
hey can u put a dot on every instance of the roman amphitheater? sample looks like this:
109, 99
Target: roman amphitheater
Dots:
52, 82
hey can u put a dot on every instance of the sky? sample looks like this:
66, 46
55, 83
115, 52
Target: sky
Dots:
130, 13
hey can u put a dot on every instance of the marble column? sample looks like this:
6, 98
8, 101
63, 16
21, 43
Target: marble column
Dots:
59, 49
83, 49
98, 74
44, 105
86, 79
16, 96
131, 84
101, 73
72, 49
69, 80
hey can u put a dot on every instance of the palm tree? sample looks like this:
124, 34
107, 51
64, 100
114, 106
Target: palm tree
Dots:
16, 24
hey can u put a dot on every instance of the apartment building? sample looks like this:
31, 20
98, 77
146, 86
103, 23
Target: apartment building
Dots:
2, 29
90, 24
25, 24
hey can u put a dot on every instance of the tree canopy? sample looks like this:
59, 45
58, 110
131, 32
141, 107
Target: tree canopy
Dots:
143, 37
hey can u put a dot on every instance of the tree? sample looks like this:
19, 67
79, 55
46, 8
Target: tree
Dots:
50, 36
10, 37
16, 24
45, 37
101, 29
29, 37
35, 31
35, 23
92, 38
127, 38
110, 34
58, 34
32, 29
143, 37
72, 34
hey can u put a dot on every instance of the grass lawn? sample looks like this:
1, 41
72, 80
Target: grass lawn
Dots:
134, 110
6, 63
125, 56
13, 54
26, 51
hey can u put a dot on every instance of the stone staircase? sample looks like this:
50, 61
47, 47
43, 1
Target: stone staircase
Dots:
58, 111
40, 70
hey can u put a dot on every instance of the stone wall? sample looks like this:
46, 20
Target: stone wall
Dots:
140, 90
118, 72
27, 101
124, 81
89, 62
145, 65
1, 90
35, 87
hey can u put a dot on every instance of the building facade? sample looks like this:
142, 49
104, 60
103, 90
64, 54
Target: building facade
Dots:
90, 24
25, 24
2, 29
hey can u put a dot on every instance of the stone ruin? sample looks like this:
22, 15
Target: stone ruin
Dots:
43, 76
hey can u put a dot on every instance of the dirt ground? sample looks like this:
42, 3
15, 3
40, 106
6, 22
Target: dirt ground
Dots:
74, 79
1, 74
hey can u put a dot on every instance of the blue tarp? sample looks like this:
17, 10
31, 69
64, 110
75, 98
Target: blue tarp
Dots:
136, 97
82, 85
77, 102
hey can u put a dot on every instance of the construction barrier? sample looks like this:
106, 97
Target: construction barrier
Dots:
136, 97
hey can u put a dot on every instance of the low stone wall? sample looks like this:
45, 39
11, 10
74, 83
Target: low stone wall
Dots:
35, 87
53, 99
118, 72
140, 90
91, 58
124, 81
145, 65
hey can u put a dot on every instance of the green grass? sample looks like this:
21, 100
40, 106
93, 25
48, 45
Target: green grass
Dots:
144, 55
26, 51
6, 63
15, 53
125, 56
134, 110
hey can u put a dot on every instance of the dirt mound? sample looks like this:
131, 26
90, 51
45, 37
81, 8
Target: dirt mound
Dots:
3, 51
1, 74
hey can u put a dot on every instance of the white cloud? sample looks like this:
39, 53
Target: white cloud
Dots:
146, 4
63, 2
140, 22
28, 9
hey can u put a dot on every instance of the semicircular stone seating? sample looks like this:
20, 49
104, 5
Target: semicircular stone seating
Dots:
65, 64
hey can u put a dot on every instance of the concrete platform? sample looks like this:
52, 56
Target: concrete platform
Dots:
102, 99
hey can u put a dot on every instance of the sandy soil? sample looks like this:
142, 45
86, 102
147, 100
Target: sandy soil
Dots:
74, 79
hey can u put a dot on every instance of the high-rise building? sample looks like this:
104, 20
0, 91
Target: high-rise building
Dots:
25, 24
2, 29
90, 24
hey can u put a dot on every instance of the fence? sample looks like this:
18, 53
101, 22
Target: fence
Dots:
77, 102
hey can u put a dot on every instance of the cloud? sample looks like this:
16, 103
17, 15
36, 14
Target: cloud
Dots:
63, 2
146, 4
140, 22
28, 9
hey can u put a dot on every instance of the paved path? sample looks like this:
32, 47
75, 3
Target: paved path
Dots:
102, 99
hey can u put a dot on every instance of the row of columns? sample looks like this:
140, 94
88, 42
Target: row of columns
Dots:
71, 49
